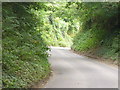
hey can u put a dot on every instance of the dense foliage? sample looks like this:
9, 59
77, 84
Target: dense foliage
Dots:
96, 25
24, 51
99, 29
58, 30
28, 28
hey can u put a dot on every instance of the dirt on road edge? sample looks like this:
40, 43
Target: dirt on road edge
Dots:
41, 83
99, 59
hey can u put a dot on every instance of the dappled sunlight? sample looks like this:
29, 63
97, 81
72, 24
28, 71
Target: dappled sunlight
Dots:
42, 38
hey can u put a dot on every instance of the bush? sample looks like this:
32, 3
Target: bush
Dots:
24, 51
99, 30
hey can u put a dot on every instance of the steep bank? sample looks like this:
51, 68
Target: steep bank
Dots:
98, 35
24, 51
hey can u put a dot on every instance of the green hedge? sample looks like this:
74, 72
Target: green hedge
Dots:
99, 29
24, 51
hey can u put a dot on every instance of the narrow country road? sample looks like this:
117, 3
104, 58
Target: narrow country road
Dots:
75, 71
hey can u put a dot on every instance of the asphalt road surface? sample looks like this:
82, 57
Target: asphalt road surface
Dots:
71, 70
